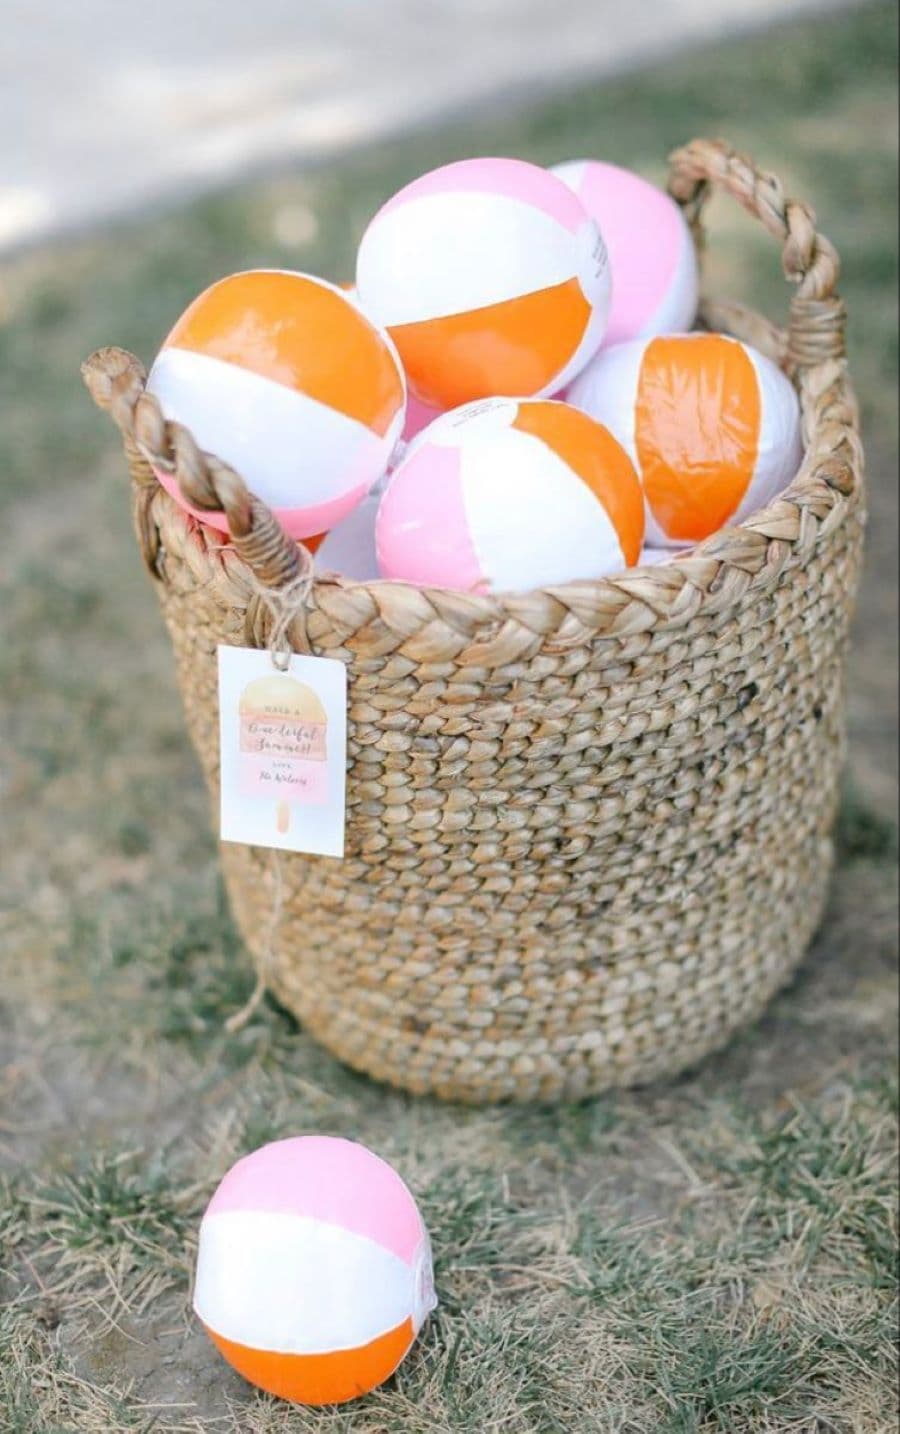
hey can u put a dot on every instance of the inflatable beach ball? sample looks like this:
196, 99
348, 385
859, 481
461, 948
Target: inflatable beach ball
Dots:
655, 283
314, 1270
712, 426
418, 416
509, 494
491, 279
282, 376
349, 549
655, 557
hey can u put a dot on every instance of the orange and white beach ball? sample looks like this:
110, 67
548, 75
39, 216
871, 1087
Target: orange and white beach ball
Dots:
712, 426
509, 494
282, 376
655, 280
490, 277
314, 1269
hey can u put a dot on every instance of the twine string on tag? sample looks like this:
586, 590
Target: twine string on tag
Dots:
284, 604
241, 1018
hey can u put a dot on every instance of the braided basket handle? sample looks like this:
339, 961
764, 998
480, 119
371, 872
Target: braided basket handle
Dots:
116, 381
816, 331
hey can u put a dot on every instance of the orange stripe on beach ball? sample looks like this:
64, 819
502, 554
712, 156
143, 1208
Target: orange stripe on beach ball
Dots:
332, 1378
592, 452
264, 321
712, 426
697, 442
513, 347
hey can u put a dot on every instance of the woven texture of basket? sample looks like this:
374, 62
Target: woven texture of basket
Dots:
588, 828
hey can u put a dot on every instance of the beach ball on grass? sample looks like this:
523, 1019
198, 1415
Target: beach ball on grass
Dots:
283, 377
314, 1271
655, 281
510, 494
490, 277
712, 426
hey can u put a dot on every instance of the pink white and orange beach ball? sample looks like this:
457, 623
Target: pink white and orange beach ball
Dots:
314, 1270
490, 277
506, 494
283, 376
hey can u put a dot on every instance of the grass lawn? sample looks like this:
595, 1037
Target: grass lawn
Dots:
715, 1254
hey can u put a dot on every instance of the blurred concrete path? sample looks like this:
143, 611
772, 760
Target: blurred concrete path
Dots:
106, 104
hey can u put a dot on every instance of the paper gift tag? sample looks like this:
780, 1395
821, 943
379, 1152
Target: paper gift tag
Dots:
283, 751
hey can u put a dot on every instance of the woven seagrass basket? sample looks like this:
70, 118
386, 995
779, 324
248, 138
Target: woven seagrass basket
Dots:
588, 827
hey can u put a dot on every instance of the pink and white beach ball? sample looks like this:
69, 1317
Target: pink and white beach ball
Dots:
651, 253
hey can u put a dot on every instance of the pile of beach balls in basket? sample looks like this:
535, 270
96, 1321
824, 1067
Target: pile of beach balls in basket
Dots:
508, 398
